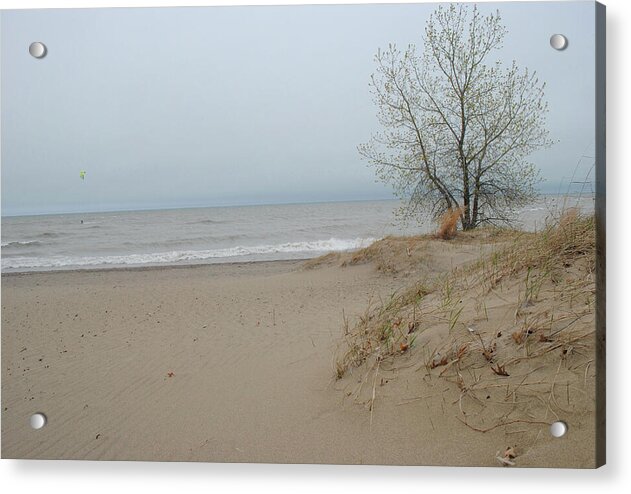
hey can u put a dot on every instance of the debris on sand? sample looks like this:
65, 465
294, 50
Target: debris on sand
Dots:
507, 458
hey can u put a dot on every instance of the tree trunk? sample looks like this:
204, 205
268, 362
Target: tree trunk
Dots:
476, 201
466, 203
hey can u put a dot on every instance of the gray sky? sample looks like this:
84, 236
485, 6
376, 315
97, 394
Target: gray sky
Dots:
183, 107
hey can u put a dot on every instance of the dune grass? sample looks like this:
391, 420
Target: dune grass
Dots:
527, 258
519, 318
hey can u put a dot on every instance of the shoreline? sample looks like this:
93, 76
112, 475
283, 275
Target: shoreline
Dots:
154, 267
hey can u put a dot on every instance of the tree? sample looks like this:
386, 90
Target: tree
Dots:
457, 129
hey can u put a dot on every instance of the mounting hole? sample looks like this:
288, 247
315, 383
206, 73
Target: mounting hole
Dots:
38, 49
558, 429
558, 42
38, 420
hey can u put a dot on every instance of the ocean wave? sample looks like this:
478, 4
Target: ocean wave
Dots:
172, 257
20, 243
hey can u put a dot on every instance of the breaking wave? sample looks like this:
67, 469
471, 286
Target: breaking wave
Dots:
18, 243
276, 251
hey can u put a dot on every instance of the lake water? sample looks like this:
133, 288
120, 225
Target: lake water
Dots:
218, 234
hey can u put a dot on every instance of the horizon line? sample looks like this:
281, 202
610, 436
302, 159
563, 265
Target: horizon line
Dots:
217, 206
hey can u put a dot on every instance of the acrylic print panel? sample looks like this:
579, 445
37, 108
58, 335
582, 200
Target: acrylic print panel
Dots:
305, 234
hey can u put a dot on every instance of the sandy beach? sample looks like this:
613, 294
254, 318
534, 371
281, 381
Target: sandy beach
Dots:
236, 363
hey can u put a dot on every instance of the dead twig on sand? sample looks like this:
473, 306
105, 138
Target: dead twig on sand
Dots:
413, 400
516, 421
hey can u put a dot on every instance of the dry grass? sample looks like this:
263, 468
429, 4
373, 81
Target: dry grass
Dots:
564, 240
520, 319
448, 224
380, 331
326, 259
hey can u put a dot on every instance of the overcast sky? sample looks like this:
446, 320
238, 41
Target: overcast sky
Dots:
180, 107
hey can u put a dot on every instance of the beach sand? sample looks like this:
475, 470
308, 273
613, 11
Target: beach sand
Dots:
229, 363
